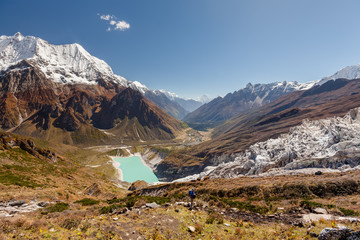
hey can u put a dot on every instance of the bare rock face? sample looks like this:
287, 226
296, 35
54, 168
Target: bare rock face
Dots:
7, 141
338, 233
93, 190
138, 185
28, 98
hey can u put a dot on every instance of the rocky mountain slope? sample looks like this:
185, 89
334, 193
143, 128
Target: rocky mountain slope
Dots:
71, 63
63, 91
171, 107
220, 109
334, 98
327, 143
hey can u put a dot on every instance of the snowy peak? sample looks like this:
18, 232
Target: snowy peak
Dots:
18, 36
283, 86
252, 96
203, 99
187, 103
69, 63
349, 72
140, 87
16, 48
170, 95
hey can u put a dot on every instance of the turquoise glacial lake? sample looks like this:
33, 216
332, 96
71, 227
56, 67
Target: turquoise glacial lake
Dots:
133, 169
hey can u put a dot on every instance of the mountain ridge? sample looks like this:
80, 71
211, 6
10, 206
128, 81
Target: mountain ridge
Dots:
71, 63
221, 109
268, 121
67, 100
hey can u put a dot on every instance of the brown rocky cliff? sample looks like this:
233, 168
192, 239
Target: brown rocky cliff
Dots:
27, 96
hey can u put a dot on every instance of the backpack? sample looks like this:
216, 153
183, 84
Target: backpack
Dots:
192, 194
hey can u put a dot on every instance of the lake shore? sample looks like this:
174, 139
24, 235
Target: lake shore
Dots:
117, 167
116, 164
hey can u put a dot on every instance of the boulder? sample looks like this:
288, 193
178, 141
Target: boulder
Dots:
152, 205
191, 229
339, 233
319, 210
139, 184
17, 203
43, 204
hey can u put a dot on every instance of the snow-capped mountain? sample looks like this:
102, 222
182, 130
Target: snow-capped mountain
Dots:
252, 96
187, 103
61, 89
349, 72
203, 99
70, 64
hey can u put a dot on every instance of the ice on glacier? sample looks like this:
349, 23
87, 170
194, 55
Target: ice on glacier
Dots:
303, 146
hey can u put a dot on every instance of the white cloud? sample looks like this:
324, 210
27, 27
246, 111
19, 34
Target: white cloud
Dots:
116, 25
122, 25
105, 17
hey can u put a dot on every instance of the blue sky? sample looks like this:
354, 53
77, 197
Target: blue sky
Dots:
196, 47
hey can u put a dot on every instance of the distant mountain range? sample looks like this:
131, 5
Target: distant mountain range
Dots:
332, 98
62, 90
252, 96
220, 109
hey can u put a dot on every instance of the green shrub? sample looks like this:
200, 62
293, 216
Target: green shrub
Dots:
214, 217
58, 207
349, 212
87, 201
245, 206
179, 196
311, 205
184, 125
210, 220
112, 201
70, 223
130, 202
9, 178
330, 206
111, 208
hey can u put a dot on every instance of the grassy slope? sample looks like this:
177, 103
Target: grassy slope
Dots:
23, 175
99, 219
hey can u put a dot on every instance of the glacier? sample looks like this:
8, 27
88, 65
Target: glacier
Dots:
331, 144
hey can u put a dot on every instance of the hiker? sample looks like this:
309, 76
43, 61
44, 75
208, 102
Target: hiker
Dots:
192, 197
